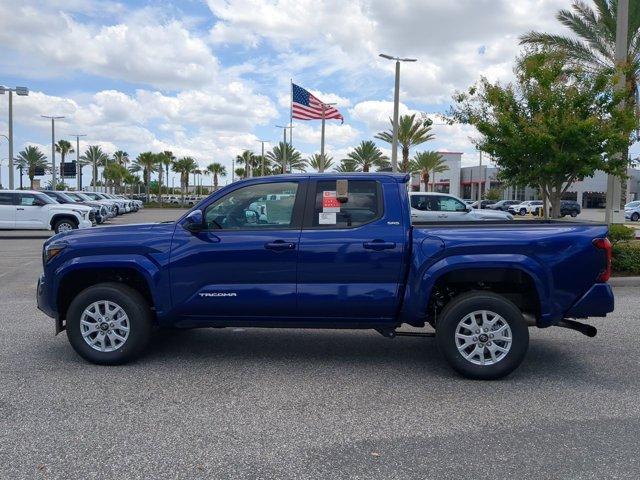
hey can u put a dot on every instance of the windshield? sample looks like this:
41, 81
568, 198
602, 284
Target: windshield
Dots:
66, 197
45, 198
632, 204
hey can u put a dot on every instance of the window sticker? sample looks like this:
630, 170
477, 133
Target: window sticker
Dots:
327, 218
330, 203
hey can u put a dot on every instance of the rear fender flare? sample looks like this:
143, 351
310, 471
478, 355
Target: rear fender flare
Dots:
543, 280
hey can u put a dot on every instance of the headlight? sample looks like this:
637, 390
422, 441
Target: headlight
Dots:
52, 250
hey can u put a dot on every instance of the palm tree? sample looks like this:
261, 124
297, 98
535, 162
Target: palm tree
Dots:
121, 158
115, 172
593, 44
95, 157
367, 155
31, 159
347, 165
63, 147
167, 160
293, 159
216, 170
320, 162
184, 167
426, 163
147, 162
410, 132
250, 160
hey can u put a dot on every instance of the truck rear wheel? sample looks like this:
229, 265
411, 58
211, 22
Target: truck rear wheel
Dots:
482, 335
109, 324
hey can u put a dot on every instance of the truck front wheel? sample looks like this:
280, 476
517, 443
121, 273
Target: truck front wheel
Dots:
482, 335
109, 323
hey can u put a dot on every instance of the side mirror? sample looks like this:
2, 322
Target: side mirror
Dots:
194, 222
469, 208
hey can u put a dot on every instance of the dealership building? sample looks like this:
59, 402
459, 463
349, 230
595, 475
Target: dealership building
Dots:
467, 182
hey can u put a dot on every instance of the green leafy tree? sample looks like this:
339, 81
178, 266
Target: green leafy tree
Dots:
216, 170
426, 163
294, 160
494, 194
95, 157
553, 126
184, 167
411, 132
367, 155
63, 147
30, 159
592, 46
115, 173
320, 162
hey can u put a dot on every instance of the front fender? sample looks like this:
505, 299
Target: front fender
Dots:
150, 271
422, 283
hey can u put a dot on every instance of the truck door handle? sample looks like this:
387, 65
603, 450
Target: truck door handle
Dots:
379, 245
19, 208
442, 215
279, 245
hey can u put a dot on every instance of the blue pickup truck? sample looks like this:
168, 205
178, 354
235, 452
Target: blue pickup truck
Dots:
327, 251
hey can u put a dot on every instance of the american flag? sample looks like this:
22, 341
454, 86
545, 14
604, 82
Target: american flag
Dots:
307, 107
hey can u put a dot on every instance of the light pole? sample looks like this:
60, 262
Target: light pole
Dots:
1, 159
78, 167
22, 92
614, 185
262, 157
284, 145
53, 149
396, 107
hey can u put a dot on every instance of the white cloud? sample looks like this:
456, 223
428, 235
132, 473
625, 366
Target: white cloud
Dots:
376, 114
143, 50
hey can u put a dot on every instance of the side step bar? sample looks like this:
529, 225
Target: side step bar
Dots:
394, 333
583, 328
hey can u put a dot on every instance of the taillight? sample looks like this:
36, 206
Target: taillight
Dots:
604, 244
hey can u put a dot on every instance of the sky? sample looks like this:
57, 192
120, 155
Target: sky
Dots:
208, 79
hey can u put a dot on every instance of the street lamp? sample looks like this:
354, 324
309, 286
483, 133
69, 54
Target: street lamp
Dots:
22, 92
53, 149
78, 167
284, 145
396, 105
262, 157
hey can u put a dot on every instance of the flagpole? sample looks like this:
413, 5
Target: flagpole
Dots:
322, 134
291, 115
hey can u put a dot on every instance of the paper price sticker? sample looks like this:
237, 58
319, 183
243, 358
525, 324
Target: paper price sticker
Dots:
330, 203
327, 219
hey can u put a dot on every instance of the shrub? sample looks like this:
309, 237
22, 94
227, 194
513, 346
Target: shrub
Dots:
621, 233
626, 258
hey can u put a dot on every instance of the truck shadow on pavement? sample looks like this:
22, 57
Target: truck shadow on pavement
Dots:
334, 348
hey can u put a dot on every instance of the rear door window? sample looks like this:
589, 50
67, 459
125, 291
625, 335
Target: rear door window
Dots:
364, 205
6, 198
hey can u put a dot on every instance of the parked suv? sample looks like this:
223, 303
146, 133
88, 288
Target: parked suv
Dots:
98, 212
530, 206
442, 207
569, 207
503, 205
31, 210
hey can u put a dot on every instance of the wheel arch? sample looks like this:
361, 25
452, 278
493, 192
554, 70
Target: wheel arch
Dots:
63, 216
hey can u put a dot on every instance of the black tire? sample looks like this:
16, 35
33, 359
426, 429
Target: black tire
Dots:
523, 211
467, 303
574, 214
64, 224
136, 308
635, 216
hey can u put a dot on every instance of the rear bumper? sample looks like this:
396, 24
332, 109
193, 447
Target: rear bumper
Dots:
597, 302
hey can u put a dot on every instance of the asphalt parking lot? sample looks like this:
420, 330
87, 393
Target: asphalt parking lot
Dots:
253, 403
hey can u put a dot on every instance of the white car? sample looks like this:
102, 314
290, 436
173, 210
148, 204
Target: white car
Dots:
442, 207
530, 206
118, 206
31, 210
632, 211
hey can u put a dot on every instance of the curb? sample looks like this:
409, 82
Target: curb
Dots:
624, 281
